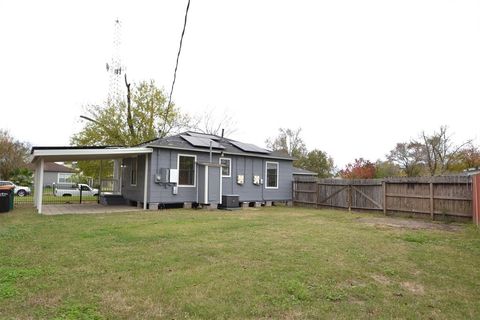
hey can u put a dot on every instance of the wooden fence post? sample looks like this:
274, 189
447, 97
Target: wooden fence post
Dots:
476, 199
317, 193
350, 198
384, 188
432, 214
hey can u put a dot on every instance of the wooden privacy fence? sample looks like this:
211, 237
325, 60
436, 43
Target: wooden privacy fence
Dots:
435, 196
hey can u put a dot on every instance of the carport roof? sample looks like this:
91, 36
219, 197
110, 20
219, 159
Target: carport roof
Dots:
68, 153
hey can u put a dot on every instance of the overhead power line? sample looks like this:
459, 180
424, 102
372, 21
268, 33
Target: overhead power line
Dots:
176, 64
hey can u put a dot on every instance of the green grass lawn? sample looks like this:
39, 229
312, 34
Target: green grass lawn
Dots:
279, 263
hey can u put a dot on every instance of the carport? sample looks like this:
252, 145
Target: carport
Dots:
56, 154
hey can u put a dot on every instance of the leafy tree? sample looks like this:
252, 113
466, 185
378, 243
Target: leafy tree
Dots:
91, 169
142, 117
14, 154
360, 169
22, 177
467, 158
288, 141
317, 161
409, 156
385, 169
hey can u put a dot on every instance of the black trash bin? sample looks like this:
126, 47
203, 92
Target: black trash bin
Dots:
5, 194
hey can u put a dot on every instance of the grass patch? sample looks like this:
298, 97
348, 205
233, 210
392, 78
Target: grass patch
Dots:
282, 263
416, 237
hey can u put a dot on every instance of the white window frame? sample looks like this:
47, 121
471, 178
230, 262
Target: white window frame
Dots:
278, 174
194, 170
66, 175
136, 172
229, 167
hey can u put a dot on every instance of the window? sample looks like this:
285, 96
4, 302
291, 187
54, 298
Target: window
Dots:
226, 166
64, 177
271, 174
133, 172
186, 170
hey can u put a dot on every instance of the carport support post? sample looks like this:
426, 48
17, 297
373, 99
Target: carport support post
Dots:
35, 184
40, 186
145, 184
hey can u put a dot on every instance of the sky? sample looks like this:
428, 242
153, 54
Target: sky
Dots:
355, 76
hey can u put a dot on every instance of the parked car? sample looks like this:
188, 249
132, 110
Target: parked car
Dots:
19, 190
70, 190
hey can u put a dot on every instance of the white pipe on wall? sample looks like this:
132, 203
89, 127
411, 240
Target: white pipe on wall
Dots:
145, 184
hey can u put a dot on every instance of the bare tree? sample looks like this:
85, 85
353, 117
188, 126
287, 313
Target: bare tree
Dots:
212, 122
440, 151
432, 154
289, 141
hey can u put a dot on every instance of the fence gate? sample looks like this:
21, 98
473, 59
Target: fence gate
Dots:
365, 195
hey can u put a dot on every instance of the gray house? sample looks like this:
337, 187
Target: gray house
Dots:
193, 168
181, 170
54, 173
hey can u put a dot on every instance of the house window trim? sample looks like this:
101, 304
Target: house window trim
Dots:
229, 167
194, 170
69, 174
266, 176
136, 172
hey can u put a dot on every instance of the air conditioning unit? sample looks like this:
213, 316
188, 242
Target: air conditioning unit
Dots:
230, 201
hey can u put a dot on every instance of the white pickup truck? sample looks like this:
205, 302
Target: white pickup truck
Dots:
65, 190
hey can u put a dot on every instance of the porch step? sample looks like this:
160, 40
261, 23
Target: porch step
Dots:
112, 200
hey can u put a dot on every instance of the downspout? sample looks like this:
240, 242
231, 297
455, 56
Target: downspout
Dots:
264, 179
206, 186
210, 151
221, 183
145, 184
197, 176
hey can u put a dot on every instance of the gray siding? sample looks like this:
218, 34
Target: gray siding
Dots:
129, 192
50, 178
248, 166
214, 184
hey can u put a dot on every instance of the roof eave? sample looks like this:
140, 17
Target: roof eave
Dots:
65, 154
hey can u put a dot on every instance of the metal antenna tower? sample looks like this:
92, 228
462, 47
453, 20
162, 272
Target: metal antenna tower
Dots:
115, 67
